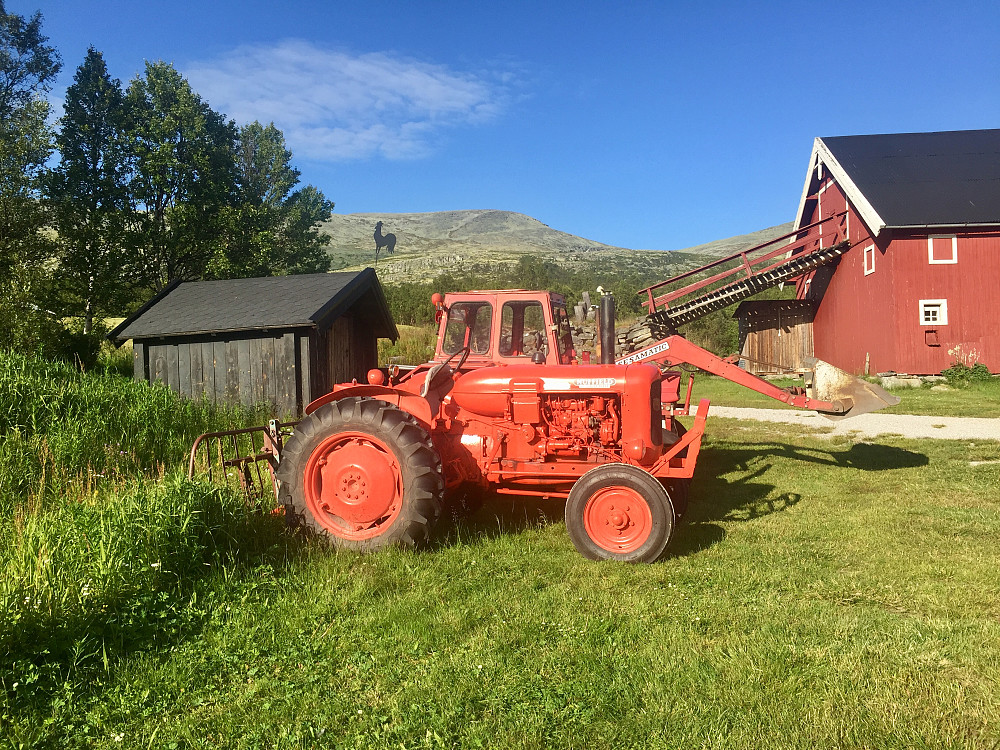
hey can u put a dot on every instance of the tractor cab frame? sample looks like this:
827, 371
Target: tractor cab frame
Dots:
504, 327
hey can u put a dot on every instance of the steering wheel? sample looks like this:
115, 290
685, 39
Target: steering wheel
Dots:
464, 351
436, 370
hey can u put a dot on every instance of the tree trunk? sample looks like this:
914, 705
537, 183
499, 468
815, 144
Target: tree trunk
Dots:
88, 308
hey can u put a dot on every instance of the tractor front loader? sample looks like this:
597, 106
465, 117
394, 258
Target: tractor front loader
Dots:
505, 406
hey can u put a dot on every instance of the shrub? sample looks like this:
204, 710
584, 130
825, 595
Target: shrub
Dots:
962, 375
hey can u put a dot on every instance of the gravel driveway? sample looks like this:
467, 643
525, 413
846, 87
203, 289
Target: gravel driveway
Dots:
872, 425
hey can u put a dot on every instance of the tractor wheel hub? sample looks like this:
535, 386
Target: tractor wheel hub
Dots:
356, 479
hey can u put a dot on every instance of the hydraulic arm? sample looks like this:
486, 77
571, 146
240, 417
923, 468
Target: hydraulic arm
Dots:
828, 390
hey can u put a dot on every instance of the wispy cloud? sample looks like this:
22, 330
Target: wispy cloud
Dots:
332, 105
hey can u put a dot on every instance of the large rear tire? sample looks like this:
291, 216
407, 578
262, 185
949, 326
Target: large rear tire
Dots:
619, 512
364, 475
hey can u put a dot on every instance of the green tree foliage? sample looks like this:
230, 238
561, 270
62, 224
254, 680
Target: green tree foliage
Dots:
410, 301
27, 68
27, 64
303, 243
89, 197
152, 185
263, 163
272, 230
184, 179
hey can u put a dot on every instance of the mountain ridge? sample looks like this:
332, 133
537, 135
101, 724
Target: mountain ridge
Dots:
431, 243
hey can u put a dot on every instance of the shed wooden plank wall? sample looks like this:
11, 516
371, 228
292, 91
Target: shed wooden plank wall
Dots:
776, 335
250, 371
340, 353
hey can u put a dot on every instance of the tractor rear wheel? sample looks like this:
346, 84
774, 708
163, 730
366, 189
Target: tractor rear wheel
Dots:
619, 512
363, 474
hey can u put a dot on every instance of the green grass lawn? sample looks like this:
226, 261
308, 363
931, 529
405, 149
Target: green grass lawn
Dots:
819, 594
978, 399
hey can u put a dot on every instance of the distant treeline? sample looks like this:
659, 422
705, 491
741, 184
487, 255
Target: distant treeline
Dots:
131, 188
410, 301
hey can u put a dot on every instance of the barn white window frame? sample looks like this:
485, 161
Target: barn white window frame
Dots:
869, 254
933, 312
942, 261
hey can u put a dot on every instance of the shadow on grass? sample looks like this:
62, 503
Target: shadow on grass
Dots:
498, 516
729, 485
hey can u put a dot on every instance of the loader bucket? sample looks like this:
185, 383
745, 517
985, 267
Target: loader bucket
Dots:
857, 396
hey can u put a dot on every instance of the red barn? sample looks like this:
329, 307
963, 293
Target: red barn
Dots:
920, 286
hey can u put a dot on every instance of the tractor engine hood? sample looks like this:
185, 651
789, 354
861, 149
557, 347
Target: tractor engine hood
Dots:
487, 392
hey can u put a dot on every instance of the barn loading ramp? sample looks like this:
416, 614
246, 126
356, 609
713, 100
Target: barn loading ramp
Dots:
739, 276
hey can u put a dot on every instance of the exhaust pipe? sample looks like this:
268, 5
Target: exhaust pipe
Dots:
607, 320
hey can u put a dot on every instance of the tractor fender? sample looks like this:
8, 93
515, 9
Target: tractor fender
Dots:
408, 402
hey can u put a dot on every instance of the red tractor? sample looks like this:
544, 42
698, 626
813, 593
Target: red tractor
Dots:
506, 406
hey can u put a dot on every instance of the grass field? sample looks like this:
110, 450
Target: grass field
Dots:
978, 399
820, 593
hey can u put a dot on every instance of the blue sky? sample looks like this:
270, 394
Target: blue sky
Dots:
646, 125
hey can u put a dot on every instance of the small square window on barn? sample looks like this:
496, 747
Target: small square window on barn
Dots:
942, 249
869, 260
933, 312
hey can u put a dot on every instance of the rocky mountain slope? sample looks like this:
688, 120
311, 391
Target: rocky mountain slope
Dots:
428, 244
730, 245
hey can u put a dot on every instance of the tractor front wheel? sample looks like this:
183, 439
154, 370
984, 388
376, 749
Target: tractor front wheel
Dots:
619, 512
363, 474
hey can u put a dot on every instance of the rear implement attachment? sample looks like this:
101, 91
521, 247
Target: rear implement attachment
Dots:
244, 459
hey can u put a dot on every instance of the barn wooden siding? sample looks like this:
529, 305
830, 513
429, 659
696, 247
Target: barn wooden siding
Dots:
775, 335
875, 317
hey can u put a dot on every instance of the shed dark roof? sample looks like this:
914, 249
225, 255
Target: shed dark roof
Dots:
949, 178
305, 300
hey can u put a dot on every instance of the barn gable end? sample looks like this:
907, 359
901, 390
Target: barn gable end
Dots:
917, 289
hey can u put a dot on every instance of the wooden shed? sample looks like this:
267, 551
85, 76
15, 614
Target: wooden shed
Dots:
775, 335
281, 340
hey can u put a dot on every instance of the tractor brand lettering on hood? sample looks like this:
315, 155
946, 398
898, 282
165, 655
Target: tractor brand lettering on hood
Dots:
594, 382
645, 353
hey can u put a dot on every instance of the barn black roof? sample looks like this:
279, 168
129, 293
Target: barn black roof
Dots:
301, 301
949, 178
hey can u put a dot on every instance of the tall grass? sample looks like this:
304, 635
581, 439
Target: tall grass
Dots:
94, 581
67, 432
97, 559
414, 347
